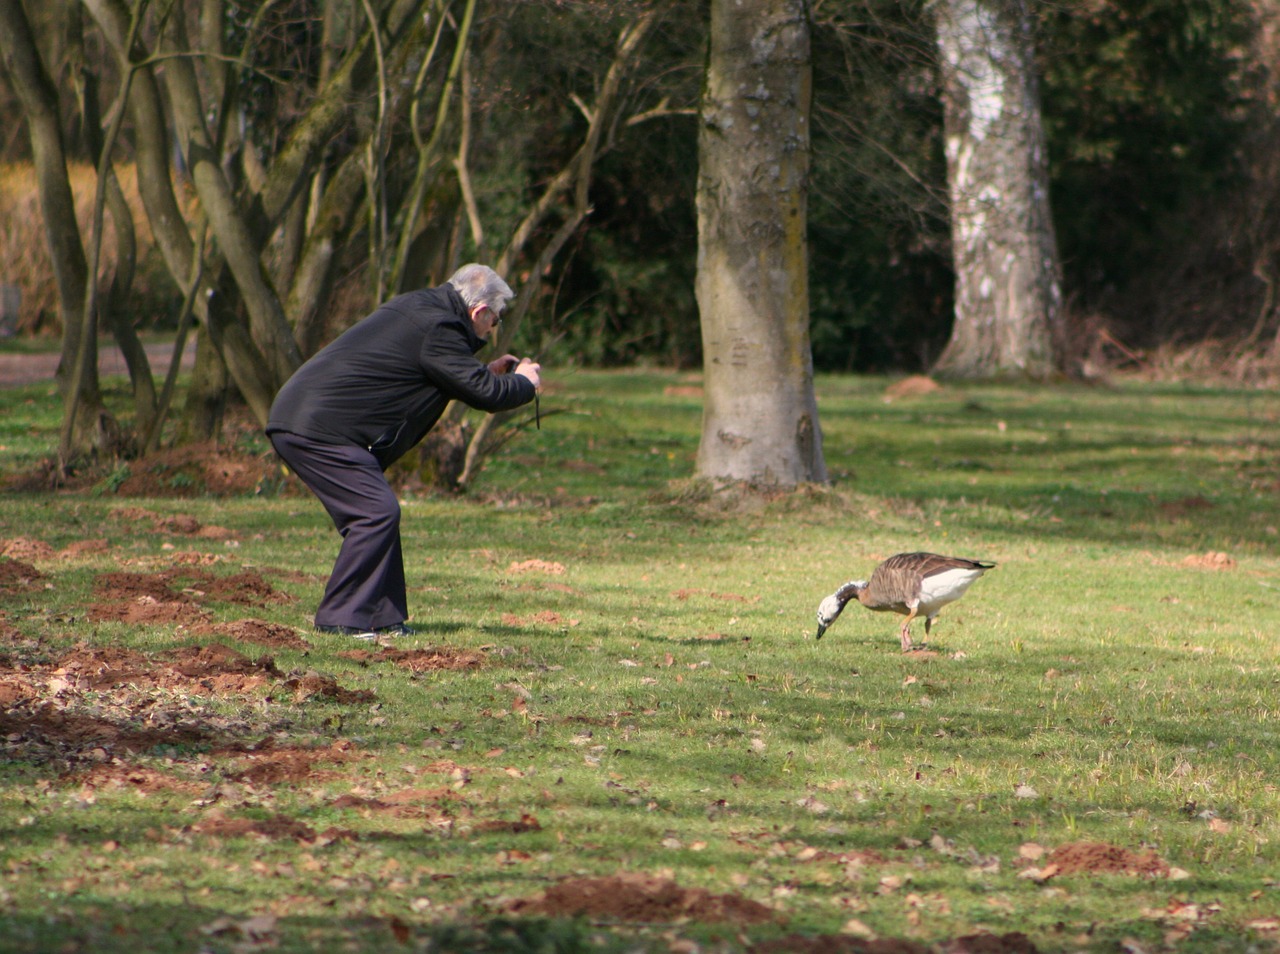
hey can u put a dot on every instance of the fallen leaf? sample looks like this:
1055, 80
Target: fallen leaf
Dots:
858, 929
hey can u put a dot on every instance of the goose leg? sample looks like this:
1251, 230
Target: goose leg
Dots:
906, 630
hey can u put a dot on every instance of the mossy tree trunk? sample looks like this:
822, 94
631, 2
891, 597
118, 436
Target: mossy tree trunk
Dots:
760, 417
88, 428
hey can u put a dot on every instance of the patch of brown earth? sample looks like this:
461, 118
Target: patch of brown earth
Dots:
255, 631
431, 659
270, 829
439, 806
148, 611
913, 385
137, 778
188, 583
1088, 857
45, 733
640, 897
17, 575
198, 470
1213, 560
172, 596
125, 587
247, 587
270, 765
730, 597
1011, 943
26, 548
213, 669
545, 617
31, 548
314, 685
94, 703
79, 548
526, 823
179, 524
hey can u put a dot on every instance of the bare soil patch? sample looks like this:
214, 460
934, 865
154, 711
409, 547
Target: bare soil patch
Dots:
1088, 857
270, 764
93, 704
1011, 943
432, 658
275, 828
18, 576
255, 631
641, 898
173, 596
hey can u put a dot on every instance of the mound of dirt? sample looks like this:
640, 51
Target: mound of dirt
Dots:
17, 576
276, 827
1088, 857
293, 764
26, 548
640, 897
1011, 943
136, 778
172, 596
198, 470
93, 704
431, 659
255, 631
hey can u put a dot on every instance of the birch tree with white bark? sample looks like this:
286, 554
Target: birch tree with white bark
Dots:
1008, 292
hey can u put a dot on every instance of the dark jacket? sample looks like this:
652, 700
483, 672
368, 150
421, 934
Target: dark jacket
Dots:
385, 381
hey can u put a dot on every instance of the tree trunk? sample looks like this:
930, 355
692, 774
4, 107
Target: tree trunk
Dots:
760, 418
1008, 307
270, 331
114, 306
87, 427
168, 224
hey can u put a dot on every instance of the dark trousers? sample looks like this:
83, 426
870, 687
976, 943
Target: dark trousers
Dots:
366, 588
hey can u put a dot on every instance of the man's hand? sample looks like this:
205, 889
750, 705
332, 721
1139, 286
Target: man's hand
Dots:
504, 365
530, 369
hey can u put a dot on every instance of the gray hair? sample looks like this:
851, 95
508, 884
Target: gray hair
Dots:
481, 285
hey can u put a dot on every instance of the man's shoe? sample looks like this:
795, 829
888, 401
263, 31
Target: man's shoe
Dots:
393, 631
355, 632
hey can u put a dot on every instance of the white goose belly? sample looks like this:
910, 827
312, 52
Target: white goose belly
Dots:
939, 589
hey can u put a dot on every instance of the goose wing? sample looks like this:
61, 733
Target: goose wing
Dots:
894, 583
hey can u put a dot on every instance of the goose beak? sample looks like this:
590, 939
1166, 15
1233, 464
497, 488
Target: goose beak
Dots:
821, 629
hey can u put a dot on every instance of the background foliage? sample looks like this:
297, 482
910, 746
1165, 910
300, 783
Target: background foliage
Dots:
1162, 132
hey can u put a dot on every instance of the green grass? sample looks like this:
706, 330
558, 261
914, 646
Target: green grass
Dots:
662, 707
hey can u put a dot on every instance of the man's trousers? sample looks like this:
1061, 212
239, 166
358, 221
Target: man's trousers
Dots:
366, 589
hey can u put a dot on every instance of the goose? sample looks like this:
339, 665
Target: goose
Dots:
913, 584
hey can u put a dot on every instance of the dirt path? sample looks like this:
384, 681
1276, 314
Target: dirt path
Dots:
17, 370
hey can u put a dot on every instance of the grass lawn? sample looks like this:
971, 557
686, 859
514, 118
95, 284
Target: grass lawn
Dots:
614, 730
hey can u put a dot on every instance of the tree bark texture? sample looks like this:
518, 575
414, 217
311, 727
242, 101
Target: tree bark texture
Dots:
270, 330
87, 427
39, 98
252, 375
1008, 290
760, 419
